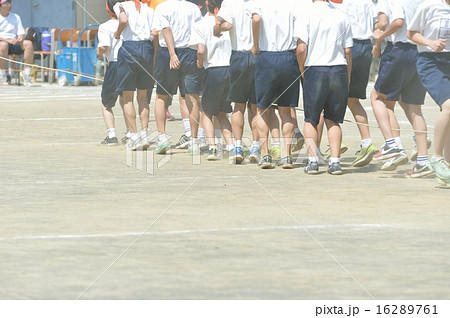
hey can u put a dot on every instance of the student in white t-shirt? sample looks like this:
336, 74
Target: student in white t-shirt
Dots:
276, 72
109, 46
135, 65
397, 80
213, 54
362, 15
430, 29
177, 67
325, 60
12, 41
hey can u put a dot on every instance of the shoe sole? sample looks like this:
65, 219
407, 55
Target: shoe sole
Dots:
163, 150
386, 157
442, 182
365, 160
312, 172
212, 158
287, 166
266, 166
253, 159
335, 173
237, 160
419, 175
403, 160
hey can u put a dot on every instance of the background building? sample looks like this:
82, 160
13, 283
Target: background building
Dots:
60, 13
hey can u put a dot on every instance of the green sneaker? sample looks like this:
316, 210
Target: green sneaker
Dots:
441, 168
162, 147
364, 155
343, 149
275, 152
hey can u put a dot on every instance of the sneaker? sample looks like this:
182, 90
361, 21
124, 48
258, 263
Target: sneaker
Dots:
3, 80
265, 162
169, 116
125, 140
183, 143
27, 79
364, 155
203, 144
212, 154
388, 153
162, 147
255, 154
343, 149
193, 150
442, 182
134, 145
414, 152
441, 168
8, 79
419, 171
312, 167
275, 152
110, 141
145, 143
286, 162
297, 142
394, 162
335, 169
238, 155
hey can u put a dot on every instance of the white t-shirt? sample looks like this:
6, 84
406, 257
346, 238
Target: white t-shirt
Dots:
11, 26
327, 32
402, 9
277, 24
179, 16
218, 50
383, 7
140, 23
362, 15
106, 38
432, 20
236, 12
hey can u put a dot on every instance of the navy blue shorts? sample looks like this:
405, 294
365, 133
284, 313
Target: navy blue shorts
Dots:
325, 88
277, 79
216, 84
109, 94
187, 77
242, 77
434, 73
135, 66
385, 55
15, 49
398, 77
361, 61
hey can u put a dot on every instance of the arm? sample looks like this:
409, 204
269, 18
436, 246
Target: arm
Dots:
123, 21
382, 22
396, 25
436, 45
348, 57
301, 52
256, 28
222, 27
200, 54
102, 50
174, 61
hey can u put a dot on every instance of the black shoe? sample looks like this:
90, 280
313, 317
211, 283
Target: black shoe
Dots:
183, 143
110, 141
335, 168
312, 167
265, 162
212, 155
8, 79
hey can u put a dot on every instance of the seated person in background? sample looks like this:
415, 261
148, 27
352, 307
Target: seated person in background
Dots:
12, 41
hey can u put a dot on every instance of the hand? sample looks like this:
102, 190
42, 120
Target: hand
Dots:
377, 35
376, 51
255, 50
216, 31
174, 62
116, 35
438, 45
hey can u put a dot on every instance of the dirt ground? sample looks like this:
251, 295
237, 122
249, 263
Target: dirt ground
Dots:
84, 221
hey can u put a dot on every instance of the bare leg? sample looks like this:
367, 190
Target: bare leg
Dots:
208, 126
193, 105
225, 126
442, 132
128, 109
287, 125
144, 110
311, 137
160, 112
381, 113
418, 122
262, 122
334, 137
108, 117
360, 116
251, 112
237, 120
274, 125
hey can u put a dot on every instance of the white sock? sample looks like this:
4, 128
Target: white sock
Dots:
194, 141
229, 147
238, 143
187, 127
201, 133
434, 158
366, 142
134, 137
27, 70
256, 143
162, 137
112, 133
422, 160
144, 133
276, 144
128, 133
10, 72
313, 159
334, 160
398, 142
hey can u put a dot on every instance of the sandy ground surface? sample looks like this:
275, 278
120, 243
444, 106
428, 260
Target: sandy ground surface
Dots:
79, 223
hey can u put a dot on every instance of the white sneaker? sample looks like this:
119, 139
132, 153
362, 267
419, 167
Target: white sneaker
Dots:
27, 79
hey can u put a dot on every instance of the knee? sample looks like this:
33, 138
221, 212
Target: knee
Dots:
4, 47
27, 45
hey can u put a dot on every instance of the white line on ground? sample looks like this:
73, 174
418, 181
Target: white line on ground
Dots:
198, 231
51, 119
